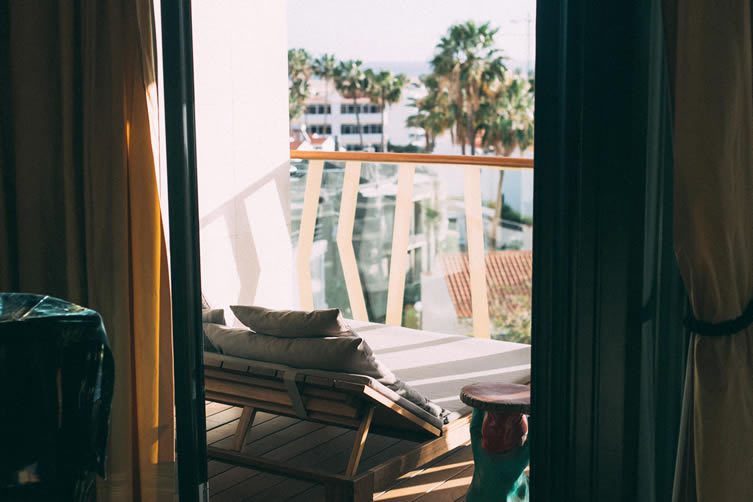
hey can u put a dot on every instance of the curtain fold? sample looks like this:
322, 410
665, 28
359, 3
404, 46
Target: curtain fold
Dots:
80, 211
712, 74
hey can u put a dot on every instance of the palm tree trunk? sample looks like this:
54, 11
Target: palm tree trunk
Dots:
471, 134
384, 144
358, 119
326, 104
497, 209
427, 139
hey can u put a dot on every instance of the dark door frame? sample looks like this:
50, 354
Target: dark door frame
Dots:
188, 350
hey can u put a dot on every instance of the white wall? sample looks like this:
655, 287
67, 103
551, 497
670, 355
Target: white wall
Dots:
240, 65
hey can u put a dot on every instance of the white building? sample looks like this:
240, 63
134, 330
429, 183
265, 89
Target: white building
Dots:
329, 114
300, 139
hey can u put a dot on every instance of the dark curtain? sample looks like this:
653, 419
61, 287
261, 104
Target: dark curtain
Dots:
79, 208
710, 55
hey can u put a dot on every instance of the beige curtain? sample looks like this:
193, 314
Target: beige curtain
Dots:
79, 210
712, 69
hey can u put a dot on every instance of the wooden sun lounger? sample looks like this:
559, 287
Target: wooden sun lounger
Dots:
352, 401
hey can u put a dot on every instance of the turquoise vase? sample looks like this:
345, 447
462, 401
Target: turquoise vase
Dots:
497, 477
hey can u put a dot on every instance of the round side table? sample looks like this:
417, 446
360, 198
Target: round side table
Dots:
499, 430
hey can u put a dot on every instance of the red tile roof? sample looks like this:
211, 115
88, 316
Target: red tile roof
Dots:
318, 140
508, 275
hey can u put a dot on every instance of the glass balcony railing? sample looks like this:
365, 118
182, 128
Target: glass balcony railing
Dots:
422, 241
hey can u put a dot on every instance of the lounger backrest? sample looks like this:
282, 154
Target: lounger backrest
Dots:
332, 398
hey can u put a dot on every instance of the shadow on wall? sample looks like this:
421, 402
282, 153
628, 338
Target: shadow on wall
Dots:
246, 253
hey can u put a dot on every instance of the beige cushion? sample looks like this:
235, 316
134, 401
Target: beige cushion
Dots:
345, 353
216, 316
292, 323
439, 365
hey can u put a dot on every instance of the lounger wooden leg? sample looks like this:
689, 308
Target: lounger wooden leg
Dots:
244, 424
363, 431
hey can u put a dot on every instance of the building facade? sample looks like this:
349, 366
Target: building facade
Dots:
328, 113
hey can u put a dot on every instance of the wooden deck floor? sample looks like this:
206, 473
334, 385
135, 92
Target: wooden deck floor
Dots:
308, 444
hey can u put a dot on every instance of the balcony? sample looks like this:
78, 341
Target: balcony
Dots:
409, 240
396, 239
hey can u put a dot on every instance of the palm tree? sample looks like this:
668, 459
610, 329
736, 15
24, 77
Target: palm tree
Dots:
422, 120
507, 116
468, 65
351, 82
299, 73
434, 112
386, 89
324, 68
507, 122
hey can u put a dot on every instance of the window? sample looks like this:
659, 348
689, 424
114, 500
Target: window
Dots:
365, 128
365, 108
318, 109
372, 128
319, 129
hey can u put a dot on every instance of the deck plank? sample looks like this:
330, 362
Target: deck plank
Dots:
315, 494
212, 408
375, 446
414, 484
324, 447
332, 456
226, 430
268, 425
255, 481
222, 417
450, 490
277, 439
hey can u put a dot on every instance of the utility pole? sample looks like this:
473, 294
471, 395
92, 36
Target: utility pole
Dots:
529, 24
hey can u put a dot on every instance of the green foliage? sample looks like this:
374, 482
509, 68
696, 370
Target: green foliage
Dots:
467, 67
471, 93
506, 117
431, 214
385, 88
325, 68
514, 323
434, 112
411, 317
510, 214
299, 73
391, 147
352, 82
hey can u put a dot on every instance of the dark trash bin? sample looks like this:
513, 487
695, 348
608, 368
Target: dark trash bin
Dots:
56, 383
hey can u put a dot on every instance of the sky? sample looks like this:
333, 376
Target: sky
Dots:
405, 30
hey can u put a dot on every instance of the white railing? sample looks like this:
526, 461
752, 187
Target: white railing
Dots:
401, 229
